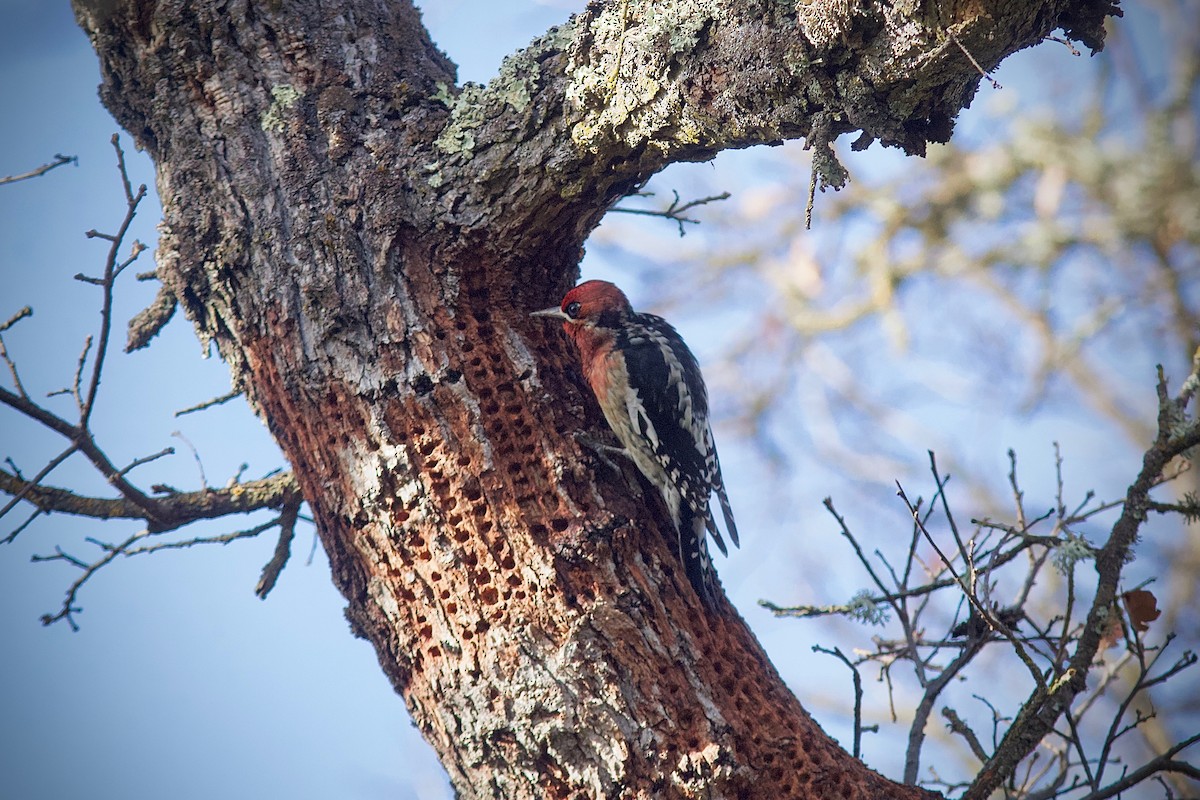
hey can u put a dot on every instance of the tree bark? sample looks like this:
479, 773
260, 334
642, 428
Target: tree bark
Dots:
362, 241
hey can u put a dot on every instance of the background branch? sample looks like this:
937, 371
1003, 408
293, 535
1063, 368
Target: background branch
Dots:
59, 160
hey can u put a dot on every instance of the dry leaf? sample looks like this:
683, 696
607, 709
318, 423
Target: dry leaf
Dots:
1112, 633
1142, 607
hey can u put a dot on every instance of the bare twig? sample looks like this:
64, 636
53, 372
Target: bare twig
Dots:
283, 548
183, 544
15, 318
676, 210
1066, 43
1144, 681
858, 696
195, 455
137, 462
12, 367
916, 733
973, 599
997, 559
216, 401
1163, 763
59, 160
126, 548
112, 268
69, 608
76, 390
845, 530
37, 512
21, 491
956, 725
995, 84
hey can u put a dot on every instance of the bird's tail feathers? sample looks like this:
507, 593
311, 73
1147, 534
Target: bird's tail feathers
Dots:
693, 551
711, 525
730, 527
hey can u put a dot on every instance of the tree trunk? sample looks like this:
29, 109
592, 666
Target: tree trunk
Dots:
362, 240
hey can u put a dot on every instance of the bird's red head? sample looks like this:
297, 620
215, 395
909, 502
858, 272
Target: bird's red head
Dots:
588, 304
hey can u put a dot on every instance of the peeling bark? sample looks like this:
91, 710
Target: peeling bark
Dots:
362, 240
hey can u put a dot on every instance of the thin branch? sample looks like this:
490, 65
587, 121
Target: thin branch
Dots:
183, 544
15, 318
828, 503
76, 389
111, 270
916, 734
1002, 558
216, 401
676, 210
986, 615
137, 462
283, 548
59, 160
1063, 42
858, 695
60, 555
974, 63
195, 455
37, 512
1164, 763
941, 492
82, 441
20, 492
126, 548
69, 608
1144, 681
12, 367
956, 725
1077, 742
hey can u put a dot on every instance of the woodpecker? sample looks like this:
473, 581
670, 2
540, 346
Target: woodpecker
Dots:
650, 389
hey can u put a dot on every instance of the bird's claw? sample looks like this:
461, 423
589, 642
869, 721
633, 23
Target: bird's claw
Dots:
602, 450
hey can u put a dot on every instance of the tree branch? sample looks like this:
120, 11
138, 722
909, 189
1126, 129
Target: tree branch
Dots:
675, 211
112, 268
12, 367
59, 160
82, 441
174, 510
283, 548
858, 696
148, 322
215, 401
1163, 763
1176, 435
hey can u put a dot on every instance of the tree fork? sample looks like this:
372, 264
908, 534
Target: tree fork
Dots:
362, 241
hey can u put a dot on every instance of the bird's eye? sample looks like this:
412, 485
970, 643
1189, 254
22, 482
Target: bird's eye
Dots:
572, 309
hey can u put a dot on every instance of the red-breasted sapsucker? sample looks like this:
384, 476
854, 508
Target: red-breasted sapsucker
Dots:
650, 389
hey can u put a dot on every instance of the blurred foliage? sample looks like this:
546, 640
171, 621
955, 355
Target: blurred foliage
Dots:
1027, 262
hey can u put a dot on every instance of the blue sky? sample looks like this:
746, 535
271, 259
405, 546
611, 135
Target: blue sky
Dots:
181, 683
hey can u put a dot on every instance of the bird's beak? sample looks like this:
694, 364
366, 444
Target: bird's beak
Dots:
555, 312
